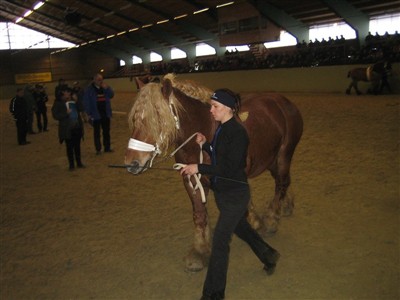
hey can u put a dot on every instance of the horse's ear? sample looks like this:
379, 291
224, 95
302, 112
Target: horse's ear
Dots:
139, 83
166, 89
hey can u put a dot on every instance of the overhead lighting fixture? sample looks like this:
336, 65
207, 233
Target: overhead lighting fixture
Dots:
38, 5
125, 6
163, 21
180, 17
201, 10
133, 29
110, 36
147, 25
225, 4
28, 13
122, 32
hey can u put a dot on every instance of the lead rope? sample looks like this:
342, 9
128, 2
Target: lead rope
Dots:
197, 177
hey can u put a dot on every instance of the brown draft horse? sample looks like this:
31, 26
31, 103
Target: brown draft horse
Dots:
371, 74
165, 114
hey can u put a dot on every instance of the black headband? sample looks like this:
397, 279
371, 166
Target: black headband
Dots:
224, 98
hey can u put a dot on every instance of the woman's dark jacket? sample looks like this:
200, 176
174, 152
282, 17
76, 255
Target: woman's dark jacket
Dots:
65, 126
231, 151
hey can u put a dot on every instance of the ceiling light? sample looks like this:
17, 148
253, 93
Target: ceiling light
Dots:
38, 5
19, 20
28, 13
201, 10
181, 16
147, 25
163, 21
225, 4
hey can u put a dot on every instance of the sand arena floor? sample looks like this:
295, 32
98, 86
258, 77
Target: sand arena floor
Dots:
100, 233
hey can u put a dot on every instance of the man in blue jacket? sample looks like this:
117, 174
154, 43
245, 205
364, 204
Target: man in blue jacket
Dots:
97, 104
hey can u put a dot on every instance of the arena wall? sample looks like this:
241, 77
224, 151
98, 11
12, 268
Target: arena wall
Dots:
326, 79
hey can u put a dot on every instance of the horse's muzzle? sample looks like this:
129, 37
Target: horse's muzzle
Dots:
134, 168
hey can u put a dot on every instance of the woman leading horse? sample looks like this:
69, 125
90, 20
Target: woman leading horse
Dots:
168, 113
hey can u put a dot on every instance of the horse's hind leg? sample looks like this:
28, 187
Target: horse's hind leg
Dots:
281, 204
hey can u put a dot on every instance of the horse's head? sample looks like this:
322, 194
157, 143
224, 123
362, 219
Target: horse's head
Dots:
153, 123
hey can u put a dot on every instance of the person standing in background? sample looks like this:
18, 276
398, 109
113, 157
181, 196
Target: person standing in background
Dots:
41, 99
97, 101
66, 109
78, 90
61, 85
31, 106
18, 108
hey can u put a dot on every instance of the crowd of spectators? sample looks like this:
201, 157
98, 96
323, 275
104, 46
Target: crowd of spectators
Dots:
312, 54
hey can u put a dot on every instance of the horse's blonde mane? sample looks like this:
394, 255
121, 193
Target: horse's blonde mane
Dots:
190, 88
152, 115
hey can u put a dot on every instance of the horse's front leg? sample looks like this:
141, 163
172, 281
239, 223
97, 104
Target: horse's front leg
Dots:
199, 254
348, 90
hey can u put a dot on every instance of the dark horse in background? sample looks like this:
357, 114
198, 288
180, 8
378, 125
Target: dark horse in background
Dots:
372, 74
166, 113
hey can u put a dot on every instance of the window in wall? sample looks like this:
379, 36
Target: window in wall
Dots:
203, 49
122, 63
177, 53
4, 40
238, 48
381, 25
136, 60
14, 36
155, 57
331, 31
285, 39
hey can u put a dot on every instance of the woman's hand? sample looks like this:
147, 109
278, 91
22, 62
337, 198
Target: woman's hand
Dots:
189, 170
200, 138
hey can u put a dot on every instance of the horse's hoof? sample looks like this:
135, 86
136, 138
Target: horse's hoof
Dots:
270, 224
194, 262
286, 210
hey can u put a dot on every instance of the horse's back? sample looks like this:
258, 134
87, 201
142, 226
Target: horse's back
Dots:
273, 123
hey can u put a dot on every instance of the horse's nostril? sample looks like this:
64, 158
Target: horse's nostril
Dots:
134, 167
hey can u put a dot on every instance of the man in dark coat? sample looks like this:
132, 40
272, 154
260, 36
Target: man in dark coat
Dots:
18, 108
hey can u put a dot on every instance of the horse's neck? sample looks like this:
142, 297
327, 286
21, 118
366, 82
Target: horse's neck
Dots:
195, 110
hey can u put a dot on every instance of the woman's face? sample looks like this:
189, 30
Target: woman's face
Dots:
220, 112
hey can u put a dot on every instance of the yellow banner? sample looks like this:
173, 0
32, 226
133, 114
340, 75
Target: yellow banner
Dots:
32, 77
